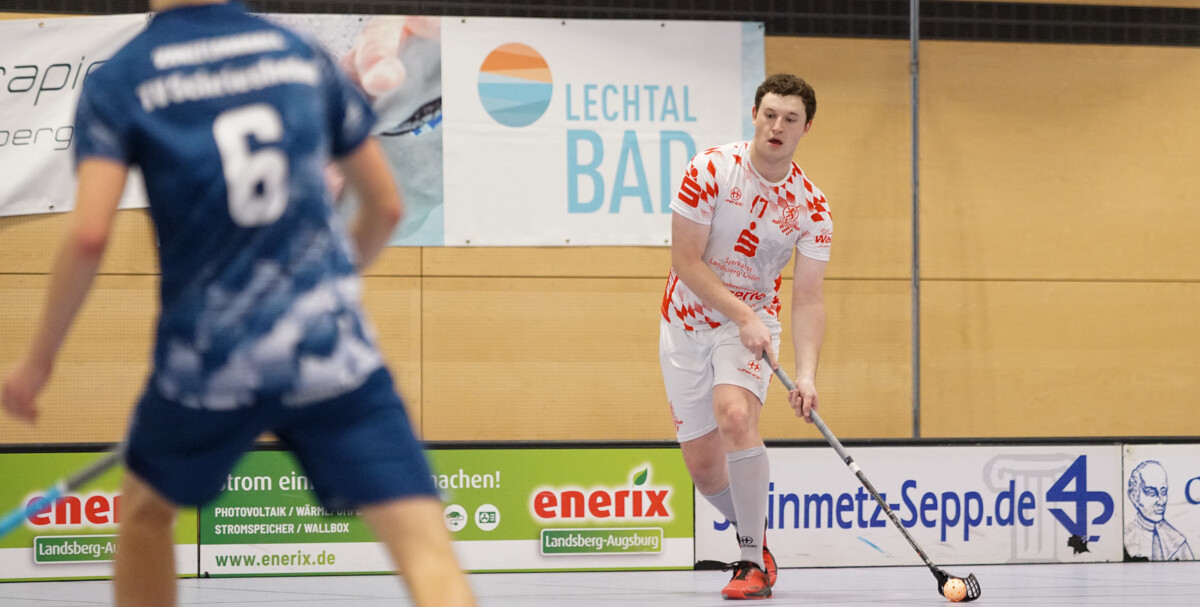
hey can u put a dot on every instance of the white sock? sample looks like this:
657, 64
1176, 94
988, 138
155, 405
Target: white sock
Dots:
749, 473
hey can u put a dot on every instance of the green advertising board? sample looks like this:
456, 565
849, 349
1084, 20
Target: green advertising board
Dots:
506, 509
535, 509
76, 538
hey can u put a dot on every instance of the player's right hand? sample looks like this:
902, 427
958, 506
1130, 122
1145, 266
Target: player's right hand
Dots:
757, 338
22, 384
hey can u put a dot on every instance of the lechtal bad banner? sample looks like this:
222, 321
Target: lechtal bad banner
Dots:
963, 505
577, 132
1161, 492
506, 510
76, 538
500, 131
43, 63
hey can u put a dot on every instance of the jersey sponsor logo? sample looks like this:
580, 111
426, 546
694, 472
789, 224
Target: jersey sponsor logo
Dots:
164, 91
755, 373
690, 193
748, 295
823, 239
210, 50
747, 242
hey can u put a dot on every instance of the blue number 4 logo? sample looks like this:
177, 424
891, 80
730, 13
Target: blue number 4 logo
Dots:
1059, 492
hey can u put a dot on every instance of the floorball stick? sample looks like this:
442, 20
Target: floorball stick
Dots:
16, 516
970, 583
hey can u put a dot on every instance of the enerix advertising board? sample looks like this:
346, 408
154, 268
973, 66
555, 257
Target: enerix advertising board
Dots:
77, 537
506, 510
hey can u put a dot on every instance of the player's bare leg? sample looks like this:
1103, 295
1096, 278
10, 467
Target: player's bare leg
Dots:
736, 410
705, 460
416, 537
144, 572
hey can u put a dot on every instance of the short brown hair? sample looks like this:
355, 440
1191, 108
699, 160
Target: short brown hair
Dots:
787, 84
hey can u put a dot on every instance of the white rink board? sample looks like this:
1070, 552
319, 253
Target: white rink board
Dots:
821, 516
1180, 506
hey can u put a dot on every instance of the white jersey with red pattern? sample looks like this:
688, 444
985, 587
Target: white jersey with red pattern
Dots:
754, 225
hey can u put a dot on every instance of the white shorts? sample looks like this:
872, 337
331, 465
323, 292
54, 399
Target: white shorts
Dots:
693, 362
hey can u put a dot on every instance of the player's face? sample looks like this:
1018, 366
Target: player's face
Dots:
779, 123
1151, 500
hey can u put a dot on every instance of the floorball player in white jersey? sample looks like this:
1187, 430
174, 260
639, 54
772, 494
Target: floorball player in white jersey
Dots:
740, 211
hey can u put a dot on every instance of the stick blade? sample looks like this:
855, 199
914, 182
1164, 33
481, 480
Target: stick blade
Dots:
974, 591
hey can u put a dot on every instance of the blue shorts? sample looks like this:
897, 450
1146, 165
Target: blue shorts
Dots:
356, 449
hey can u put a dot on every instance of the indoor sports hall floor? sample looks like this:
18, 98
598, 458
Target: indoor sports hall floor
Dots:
1133, 584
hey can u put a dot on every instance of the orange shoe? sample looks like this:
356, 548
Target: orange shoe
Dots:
749, 582
769, 561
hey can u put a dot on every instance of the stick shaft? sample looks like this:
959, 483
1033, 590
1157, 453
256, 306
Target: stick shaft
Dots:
95, 469
862, 478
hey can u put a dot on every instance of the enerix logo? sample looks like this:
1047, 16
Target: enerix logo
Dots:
637, 501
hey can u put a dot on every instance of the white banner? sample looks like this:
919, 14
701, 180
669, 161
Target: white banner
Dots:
1161, 492
963, 505
577, 132
556, 132
43, 62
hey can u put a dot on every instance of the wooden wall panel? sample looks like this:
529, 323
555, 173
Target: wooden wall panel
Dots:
859, 149
397, 261
103, 365
542, 358
547, 262
28, 243
1059, 162
864, 380
1068, 165
577, 359
393, 305
1033, 359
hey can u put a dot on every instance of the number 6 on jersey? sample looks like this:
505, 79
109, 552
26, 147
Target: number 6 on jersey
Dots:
255, 179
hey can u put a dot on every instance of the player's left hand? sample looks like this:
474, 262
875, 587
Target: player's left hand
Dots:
804, 399
22, 384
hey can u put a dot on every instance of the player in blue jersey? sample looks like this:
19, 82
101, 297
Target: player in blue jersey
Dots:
232, 121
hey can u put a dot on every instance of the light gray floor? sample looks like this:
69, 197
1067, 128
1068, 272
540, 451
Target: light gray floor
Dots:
1135, 584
